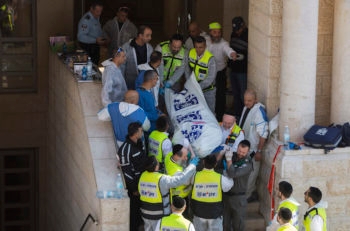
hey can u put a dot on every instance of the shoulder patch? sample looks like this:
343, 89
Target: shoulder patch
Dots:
84, 27
87, 17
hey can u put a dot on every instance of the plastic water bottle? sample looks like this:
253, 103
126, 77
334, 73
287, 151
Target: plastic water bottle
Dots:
120, 187
84, 73
89, 67
286, 137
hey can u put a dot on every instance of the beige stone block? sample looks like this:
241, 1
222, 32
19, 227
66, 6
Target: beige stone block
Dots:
259, 40
260, 60
276, 7
328, 44
103, 148
291, 167
106, 173
261, 5
337, 206
96, 128
324, 65
275, 45
115, 212
338, 186
312, 168
275, 66
339, 223
325, 20
326, 3
90, 96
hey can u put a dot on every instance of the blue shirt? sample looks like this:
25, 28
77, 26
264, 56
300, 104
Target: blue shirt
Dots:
89, 29
146, 102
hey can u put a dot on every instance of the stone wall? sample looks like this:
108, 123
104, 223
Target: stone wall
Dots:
265, 32
305, 168
81, 157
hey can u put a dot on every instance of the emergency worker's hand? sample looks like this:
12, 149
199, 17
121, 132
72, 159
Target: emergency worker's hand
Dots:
194, 161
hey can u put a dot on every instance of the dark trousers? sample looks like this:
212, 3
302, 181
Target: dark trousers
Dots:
135, 213
220, 102
239, 85
93, 50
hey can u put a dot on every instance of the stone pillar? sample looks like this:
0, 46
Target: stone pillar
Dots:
298, 66
340, 99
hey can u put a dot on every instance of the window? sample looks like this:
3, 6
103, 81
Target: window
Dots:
18, 191
17, 46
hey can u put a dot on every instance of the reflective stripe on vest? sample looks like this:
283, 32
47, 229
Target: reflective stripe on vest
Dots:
155, 141
174, 222
150, 195
171, 169
231, 138
207, 194
294, 209
171, 62
199, 67
310, 215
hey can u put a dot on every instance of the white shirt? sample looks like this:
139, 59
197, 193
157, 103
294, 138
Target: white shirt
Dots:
221, 51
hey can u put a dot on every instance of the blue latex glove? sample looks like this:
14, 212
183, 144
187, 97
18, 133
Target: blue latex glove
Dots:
161, 91
167, 84
194, 161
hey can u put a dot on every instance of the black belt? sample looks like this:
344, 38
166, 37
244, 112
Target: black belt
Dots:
234, 193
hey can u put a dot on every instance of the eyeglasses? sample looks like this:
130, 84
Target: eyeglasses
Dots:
118, 51
124, 9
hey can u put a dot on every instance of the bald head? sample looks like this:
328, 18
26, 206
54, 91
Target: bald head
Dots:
131, 96
249, 98
194, 29
250, 92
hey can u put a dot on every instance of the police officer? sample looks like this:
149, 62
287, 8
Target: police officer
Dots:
239, 167
202, 63
90, 31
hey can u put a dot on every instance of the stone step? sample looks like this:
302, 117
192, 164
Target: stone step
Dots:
254, 220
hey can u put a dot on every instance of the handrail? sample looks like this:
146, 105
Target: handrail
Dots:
86, 220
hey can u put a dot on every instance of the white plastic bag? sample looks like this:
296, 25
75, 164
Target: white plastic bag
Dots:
192, 118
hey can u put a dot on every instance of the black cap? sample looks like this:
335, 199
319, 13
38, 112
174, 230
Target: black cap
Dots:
237, 23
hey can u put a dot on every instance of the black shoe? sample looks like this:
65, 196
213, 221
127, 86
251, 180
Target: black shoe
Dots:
253, 197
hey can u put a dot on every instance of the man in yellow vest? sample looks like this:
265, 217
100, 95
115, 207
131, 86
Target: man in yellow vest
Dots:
154, 190
174, 59
206, 200
315, 218
175, 221
202, 63
284, 192
232, 134
159, 144
284, 218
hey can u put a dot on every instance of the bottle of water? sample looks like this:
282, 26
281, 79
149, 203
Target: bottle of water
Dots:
120, 187
84, 73
89, 67
286, 137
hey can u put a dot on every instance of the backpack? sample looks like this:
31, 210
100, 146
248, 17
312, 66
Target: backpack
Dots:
327, 138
